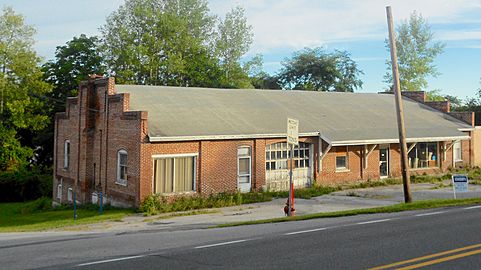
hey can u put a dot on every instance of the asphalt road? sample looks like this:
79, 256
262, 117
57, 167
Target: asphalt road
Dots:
447, 238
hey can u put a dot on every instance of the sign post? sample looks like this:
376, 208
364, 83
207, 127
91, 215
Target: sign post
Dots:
460, 183
292, 140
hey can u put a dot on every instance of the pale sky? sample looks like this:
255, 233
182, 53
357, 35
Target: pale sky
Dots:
284, 26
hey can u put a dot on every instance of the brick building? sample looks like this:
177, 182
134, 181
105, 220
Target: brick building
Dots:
129, 141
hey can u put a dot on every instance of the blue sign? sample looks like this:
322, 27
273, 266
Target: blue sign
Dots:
460, 183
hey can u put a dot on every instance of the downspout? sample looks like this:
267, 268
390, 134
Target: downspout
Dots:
106, 120
55, 163
79, 138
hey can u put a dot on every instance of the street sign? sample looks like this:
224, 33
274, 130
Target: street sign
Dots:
460, 183
292, 131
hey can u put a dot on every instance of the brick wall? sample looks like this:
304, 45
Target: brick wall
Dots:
467, 117
95, 137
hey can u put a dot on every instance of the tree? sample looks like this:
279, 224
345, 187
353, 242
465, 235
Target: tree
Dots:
416, 53
157, 42
73, 63
315, 69
21, 86
232, 42
259, 79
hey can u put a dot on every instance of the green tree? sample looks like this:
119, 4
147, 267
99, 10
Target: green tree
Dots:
315, 69
21, 109
416, 53
232, 42
259, 79
159, 42
73, 62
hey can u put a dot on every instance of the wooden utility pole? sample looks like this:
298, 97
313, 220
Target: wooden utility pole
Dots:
399, 109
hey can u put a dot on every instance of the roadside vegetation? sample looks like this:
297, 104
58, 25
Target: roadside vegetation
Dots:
417, 205
38, 215
158, 204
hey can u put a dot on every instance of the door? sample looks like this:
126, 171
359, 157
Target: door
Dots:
384, 162
244, 165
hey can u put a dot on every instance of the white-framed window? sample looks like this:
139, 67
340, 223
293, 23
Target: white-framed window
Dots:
59, 191
457, 151
174, 174
342, 158
122, 167
278, 154
70, 194
66, 154
423, 155
244, 164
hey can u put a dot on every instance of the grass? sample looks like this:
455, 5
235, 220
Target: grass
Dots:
426, 204
38, 216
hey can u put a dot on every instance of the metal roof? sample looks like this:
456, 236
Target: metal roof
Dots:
182, 113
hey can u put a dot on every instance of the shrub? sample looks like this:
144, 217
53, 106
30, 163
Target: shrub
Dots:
155, 204
24, 185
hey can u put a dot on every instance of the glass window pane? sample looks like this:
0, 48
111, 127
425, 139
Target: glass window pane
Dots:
341, 162
284, 154
268, 166
244, 179
244, 166
273, 165
273, 155
296, 163
296, 153
243, 151
268, 155
301, 163
283, 165
307, 153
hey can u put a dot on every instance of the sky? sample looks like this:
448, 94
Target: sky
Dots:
282, 27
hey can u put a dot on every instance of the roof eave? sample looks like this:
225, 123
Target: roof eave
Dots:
409, 140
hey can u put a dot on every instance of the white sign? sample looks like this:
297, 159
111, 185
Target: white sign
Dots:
292, 131
460, 183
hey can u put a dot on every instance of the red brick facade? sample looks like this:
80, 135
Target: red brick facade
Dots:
106, 126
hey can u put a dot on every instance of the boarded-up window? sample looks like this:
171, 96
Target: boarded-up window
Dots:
174, 174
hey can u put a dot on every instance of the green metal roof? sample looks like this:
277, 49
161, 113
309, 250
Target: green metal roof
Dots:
181, 113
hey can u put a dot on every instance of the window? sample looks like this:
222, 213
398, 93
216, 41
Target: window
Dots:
176, 174
244, 164
59, 191
122, 167
278, 154
342, 161
66, 154
423, 155
70, 195
457, 151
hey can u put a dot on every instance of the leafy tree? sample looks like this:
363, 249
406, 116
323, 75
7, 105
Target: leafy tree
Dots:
315, 69
258, 77
21, 86
416, 53
73, 63
158, 42
233, 40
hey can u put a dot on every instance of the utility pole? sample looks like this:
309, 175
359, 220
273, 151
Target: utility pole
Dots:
399, 109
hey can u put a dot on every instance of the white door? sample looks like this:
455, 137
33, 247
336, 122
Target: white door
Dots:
244, 166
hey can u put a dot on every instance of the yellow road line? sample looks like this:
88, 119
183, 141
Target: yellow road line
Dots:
425, 257
440, 260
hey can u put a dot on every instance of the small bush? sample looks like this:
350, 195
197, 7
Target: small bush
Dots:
24, 185
156, 204
41, 204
